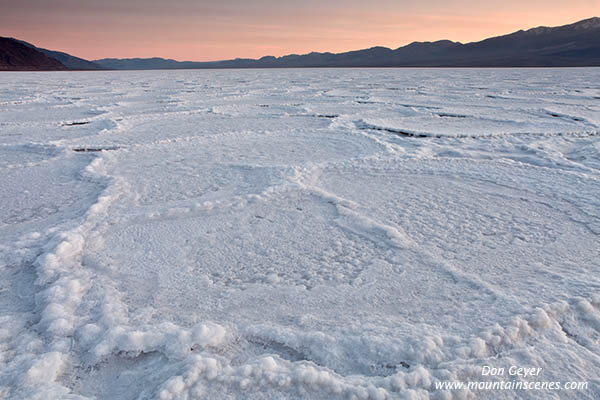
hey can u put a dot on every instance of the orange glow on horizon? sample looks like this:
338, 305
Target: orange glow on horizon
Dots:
216, 32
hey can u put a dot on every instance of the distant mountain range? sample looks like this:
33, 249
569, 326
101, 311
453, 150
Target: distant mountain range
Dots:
571, 45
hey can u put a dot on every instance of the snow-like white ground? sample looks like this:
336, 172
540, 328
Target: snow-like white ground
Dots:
287, 234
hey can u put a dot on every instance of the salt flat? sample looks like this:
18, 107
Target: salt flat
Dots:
258, 234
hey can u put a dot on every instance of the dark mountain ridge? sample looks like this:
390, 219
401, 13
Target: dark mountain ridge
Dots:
15, 56
32, 60
71, 62
570, 45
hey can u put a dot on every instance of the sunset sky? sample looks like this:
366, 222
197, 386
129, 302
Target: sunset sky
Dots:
205, 30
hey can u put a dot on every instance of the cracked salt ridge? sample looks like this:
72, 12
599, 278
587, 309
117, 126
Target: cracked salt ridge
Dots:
330, 116
576, 119
76, 123
434, 357
449, 115
414, 134
59, 303
58, 295
94, 149
368, 228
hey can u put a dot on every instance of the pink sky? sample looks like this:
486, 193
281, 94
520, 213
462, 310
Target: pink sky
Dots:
211, 30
